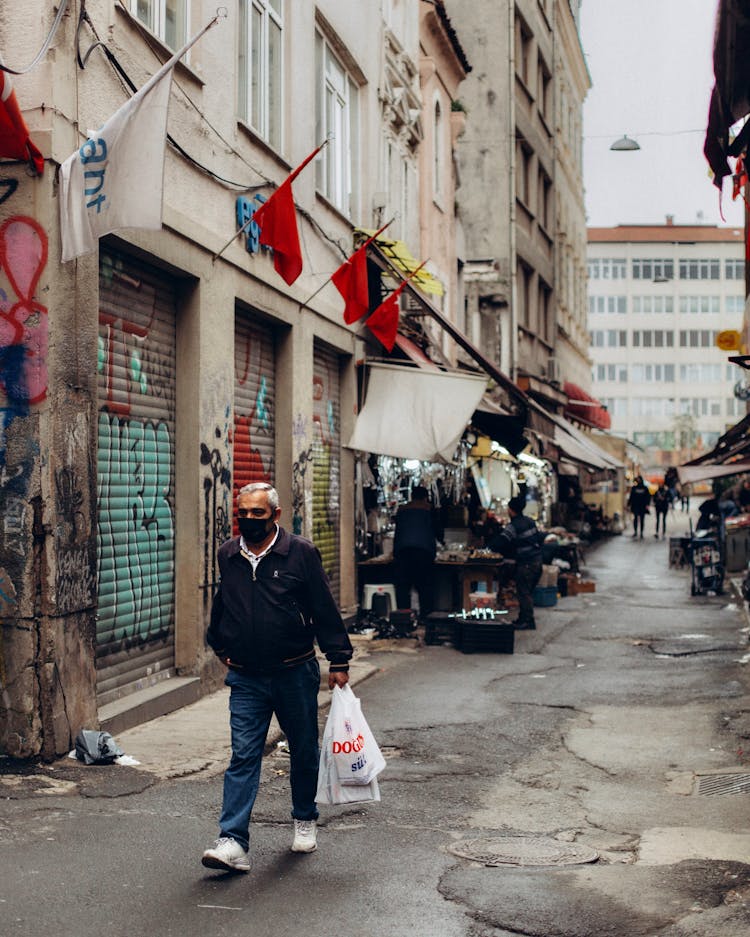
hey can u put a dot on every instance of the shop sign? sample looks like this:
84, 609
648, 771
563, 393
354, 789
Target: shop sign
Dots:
729, 340
245, 208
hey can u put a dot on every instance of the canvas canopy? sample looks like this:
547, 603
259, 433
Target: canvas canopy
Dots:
414, 413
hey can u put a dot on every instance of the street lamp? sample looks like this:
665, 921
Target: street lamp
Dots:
625, 143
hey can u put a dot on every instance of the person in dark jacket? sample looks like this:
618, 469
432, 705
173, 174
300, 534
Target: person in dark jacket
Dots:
272, 603
638, 502
521, 540
414, 549
662, 504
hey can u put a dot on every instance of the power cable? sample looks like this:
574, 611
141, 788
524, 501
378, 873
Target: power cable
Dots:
47, 42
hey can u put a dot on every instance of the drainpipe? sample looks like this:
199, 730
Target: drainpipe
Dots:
512, 367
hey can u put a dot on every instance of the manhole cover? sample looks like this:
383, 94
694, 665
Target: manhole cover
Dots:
522, 850
724, 784
698, 644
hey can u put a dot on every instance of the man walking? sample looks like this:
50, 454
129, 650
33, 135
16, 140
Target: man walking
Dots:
638, 502
662, 503
521, 539
272, 603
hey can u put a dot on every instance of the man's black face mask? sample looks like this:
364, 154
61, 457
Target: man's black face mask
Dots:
255, 529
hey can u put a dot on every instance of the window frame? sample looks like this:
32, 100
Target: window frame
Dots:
268, 123
156, 20
336, 168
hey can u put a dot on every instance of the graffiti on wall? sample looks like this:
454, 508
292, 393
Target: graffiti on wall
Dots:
75, 577
253, 413
326, 493
217, 487
136, 529
23, 321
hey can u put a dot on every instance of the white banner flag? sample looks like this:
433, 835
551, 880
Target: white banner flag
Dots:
115, 179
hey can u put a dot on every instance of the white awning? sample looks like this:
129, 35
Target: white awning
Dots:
413, 413
699, 473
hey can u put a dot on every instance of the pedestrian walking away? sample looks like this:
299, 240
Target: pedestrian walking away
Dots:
273, 601
662, 503
638, 502
521, 540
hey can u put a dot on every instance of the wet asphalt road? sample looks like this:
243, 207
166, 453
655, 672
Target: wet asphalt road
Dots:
595, 732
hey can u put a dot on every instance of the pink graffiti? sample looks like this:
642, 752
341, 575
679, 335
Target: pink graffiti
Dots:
23, 257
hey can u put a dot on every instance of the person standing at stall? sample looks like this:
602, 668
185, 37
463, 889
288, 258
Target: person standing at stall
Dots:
662, 503
521, 540
638, 502
414, 550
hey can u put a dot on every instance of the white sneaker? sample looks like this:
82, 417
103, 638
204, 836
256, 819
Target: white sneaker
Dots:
226, 854
305, 836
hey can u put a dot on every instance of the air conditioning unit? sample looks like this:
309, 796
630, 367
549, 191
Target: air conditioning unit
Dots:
553, 370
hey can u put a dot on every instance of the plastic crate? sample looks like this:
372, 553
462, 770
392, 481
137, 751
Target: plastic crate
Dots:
544, 596
485, 637
439, 628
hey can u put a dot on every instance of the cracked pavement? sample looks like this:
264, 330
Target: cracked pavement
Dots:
585, 735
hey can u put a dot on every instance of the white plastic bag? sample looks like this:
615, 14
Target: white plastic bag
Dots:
355, 752
350, 759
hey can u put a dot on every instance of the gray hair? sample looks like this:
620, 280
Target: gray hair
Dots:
271, 493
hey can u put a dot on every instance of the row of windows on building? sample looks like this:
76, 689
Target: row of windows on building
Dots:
653, 338
672, 440
691, 372
669, 407
616, 268
733, 305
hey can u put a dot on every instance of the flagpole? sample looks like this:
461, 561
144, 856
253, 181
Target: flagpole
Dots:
309, 299
178, 55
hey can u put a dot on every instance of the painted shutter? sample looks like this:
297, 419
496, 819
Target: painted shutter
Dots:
135, 473
327, 462
254, 404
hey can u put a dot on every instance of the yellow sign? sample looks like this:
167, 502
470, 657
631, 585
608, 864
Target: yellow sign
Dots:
729, 340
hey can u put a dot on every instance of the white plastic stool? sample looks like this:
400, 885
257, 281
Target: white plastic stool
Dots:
379, 588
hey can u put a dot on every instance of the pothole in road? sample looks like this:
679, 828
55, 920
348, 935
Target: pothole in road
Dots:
687, 644
523, 851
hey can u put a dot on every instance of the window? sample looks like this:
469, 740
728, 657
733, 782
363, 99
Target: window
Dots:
437, 155
653, 304
601, 304
167, 19
649, 269
700, 373
734, 305
524, 43
700, 269
259, 68
544, 91
653, 338
652, 406
700, 304
734, 269
544, 196
523, 172
697, 338
617, 406
736, 407
338, 115
611, 372
607, 268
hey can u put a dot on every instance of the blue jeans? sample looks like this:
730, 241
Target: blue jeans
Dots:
293, 696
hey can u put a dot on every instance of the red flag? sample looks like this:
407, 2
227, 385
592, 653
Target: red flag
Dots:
351, 281
383, 322
277, 220
14, 134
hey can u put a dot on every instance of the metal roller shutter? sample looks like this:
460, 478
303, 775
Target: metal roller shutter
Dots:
135, 471
327, 462
254, 404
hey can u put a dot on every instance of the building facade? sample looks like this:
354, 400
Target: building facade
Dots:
658, 297
144, 383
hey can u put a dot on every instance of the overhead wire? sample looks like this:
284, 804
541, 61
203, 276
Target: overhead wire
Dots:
47, 42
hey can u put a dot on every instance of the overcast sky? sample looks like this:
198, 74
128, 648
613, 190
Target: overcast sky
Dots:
650, 63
